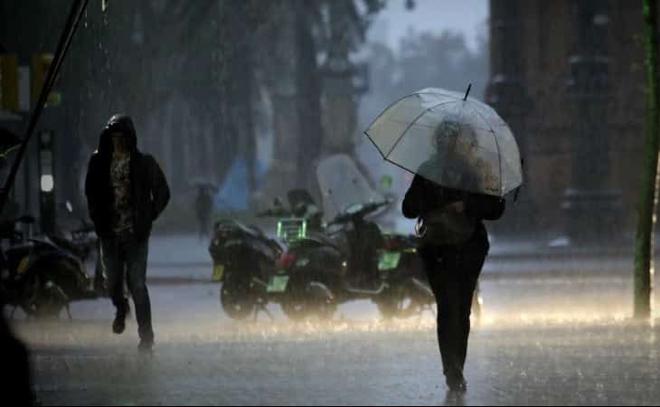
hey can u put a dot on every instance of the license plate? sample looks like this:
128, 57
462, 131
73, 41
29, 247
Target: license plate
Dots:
389, 261
218, 272
277, 284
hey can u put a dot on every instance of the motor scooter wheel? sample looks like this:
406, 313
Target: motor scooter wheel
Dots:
43, 300
237, 295
397, 302
309, 299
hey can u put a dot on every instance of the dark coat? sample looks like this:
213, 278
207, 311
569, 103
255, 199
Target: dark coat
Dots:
149, 190
425, 196
16, 372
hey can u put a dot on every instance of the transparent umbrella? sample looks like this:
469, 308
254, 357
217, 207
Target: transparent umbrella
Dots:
450, 139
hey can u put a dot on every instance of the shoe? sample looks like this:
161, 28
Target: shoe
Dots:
119, 324
457, 385
460, 388
455, 398
146, 347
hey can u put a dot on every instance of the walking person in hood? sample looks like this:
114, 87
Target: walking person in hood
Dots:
126, 192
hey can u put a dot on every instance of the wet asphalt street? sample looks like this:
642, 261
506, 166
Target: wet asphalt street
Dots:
544, 338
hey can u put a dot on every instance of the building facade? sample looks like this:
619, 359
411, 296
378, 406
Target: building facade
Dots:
568, 76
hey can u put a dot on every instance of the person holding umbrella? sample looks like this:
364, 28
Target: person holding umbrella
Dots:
465, 160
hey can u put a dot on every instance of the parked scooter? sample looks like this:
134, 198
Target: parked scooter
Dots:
354, 259
39, 276
84, 244
298, 291
411, 294
249, 263
243, 260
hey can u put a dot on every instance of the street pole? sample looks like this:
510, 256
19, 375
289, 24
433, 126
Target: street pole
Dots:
648, 193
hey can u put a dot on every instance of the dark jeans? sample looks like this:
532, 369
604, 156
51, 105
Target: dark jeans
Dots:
453, 272
125, 259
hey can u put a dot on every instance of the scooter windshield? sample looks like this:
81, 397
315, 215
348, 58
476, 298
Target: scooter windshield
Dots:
343, 186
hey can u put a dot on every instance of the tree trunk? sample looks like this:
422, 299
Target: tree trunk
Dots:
648, 194
308, 91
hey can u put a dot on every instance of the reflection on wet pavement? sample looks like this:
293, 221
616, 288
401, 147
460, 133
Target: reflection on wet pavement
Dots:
539, 342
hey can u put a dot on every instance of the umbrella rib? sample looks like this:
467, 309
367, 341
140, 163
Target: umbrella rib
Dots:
497, 144
375, 145
403, 133
402, 167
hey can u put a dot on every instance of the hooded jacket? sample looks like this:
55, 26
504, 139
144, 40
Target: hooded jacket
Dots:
149, 190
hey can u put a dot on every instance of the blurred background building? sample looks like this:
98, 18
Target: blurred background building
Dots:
249, 95
569, 78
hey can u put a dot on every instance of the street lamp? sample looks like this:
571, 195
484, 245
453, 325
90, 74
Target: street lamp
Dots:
46, 182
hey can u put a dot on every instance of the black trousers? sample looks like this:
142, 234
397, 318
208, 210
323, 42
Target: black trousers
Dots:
453, 272
15, 368
125, 260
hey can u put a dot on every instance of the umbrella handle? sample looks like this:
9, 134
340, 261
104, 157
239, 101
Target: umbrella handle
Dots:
420, 228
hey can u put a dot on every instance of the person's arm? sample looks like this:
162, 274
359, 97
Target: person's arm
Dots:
485, 206
160, 191
413, 203
91, 189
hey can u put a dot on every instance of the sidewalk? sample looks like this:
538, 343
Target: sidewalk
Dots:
542, 246
558, 258
178, 259
179, 250
186, 249
557, 248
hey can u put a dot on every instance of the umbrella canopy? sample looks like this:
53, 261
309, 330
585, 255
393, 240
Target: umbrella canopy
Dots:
450, 139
